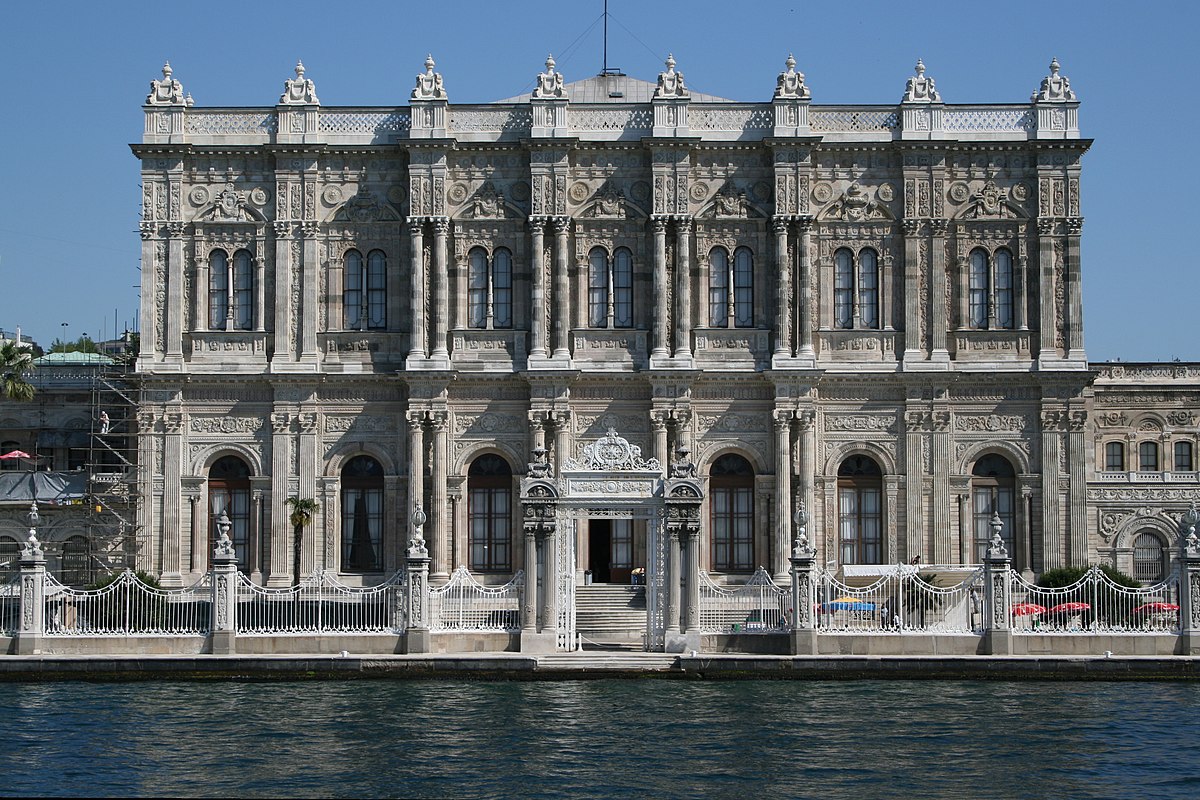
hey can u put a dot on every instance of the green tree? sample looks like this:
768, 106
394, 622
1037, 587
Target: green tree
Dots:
83, 344
15, 362
301, 517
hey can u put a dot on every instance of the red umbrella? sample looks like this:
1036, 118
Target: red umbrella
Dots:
1155, 608
1063, 608
1025, 609
16, 454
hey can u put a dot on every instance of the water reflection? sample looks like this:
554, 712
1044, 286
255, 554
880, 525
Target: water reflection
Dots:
601, 738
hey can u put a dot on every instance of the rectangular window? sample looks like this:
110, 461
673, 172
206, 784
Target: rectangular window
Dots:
376, 291
362, 529
622, 289
1148, 457
718, 289
1183, 457
989, 501
733, 528
502, 290
743, 289
622, 544
1114, 457
352, 295
490, 535
477, 290
598, 292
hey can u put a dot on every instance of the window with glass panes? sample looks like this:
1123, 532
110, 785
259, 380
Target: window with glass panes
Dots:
731, 288
855, 289
1114, 457
362, 515
229, 492
993, 494
489, 289
731, 513
610, 288
364, 295
1148, 457
489, 514
230, 290
1183, 457
860, 511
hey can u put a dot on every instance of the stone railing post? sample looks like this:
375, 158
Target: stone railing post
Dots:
223, 624
32, 624
416, 632
1189, 584
804, 588
997, 594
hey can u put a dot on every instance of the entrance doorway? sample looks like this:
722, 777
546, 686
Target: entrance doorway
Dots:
610, 550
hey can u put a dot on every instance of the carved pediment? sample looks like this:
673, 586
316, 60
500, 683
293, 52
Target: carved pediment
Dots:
608, 203
611, 453
365, 207
230, 206
991, 202
856, 205
486, 203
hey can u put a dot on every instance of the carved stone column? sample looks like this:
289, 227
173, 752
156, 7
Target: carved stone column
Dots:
308, 293
939, 449
965, 533
224, 597
1072, 274
562, 288
658, 422
280, 573
537, 327
1052, 544
783, 338
671, 609
914, 347
438, 505
284, 343
1077, 488
914, 481
173, 313
662, 344
1047, 324
806, 421
441, 292
783, 494
174, 424
683, 288
549, 593
416, 463
416, 348
997, 599
306, 479
804, 311
260, 287
691, 585
938, 323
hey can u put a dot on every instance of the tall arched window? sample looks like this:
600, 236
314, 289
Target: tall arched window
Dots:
731, 504
77, 566
218, 289
731, 288
1004, 289
489, 289
855, 289
1149, 557
364, 291
229, 491
230, 291
1148, 457
860, 511
362, 515
489, 514
610, 288
979, 288
9, 556
993, 492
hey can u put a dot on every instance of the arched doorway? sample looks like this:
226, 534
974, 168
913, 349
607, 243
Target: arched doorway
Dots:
362, 515
229, 492
731, 514
993, 492
76, 567
489, 514
860, 511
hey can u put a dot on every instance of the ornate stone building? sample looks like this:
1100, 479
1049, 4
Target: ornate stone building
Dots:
871, 313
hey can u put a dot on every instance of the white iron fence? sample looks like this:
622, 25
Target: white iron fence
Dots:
465, 604
1095, 603
757, 606
906, 600
10, 604
127, 607
320, 604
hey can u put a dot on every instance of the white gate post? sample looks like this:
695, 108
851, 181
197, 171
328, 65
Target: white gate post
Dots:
32, 625
804, 589
1189, 584
997, 594
223, 623
416, 634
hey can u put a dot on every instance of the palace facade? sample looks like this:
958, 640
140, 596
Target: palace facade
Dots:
865, 317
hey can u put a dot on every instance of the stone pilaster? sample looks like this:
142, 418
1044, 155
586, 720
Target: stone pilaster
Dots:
804, 301
441, 291
537, 328
562, 289
416, 238
683, 289
174, 424
439, 507
783, 493
662, 336
938, 322
914, 346
783, 288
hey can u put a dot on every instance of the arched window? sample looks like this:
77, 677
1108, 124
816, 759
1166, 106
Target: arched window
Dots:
855, 289
9, 557
489, 289
860, 511
364, 291
993, 492
718, 288
1114, 457
743, 288
229, 491
77, 567
489, 514
731, 504
1149, 557
1148, 457
1004, 289
610, 288
843, 289
230, 291
979, 288
218, 289
362, 515
1183, 457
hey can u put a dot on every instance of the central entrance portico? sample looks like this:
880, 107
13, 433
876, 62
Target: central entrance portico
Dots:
588, 518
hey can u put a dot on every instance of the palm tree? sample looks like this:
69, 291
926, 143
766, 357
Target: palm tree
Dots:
302, 515
15, 361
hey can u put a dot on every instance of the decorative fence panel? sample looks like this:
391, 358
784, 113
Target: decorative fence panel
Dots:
757, 606
905, 601
320, 604
127, 607
1095, 604
10, 604
464, 604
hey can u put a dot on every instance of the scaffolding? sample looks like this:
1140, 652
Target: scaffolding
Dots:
113, 467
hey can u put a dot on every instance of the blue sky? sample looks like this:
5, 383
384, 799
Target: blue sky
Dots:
73, 77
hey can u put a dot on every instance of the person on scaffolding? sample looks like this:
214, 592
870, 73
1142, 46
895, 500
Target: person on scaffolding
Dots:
104, 422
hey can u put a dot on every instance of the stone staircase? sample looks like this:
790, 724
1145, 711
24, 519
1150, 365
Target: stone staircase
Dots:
611, 616
584, 661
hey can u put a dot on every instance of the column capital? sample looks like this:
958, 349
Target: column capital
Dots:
441, 225
562, 225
